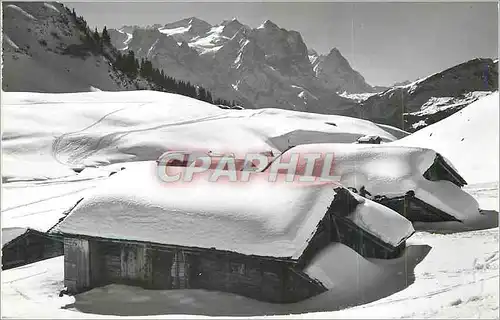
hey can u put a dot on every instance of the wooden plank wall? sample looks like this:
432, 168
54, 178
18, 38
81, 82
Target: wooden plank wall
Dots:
259, 279
163, 268
30, 247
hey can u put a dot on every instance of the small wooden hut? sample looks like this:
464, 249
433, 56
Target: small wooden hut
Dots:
21, 246
252, 239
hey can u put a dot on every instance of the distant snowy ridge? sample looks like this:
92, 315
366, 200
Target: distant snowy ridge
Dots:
432, 98
263, 67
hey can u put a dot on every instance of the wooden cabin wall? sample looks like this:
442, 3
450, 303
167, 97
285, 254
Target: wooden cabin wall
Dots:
297, 288
265, 280
249, 277
123, 263
156, 267
364, 243
415, 209
29, 248
76, 265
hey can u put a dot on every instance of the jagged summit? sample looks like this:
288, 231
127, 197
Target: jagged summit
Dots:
268, 24
265, 66
233, 21
192, 25
334, 52
188, 21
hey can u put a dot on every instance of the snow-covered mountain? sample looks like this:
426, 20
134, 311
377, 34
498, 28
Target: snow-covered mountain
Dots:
264, 67
431, 99
261, 67
335, 71
43, 51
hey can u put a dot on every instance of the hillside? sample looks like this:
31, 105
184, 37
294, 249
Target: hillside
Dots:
48, 48
468, 138
431, 99
45, 51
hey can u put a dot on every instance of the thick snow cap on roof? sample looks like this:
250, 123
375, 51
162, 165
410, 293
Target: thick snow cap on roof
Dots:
380, 221
9, 234
254, 218
392, 170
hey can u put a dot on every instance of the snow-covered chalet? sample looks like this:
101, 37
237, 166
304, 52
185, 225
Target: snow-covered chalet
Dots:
250, 238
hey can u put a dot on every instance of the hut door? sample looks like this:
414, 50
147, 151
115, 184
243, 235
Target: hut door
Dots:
76, 264
162, 262
179, 271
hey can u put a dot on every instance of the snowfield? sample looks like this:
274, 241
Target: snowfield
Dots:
59, 148
47, 135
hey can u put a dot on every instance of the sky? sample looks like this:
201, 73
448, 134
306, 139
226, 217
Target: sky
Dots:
385, 42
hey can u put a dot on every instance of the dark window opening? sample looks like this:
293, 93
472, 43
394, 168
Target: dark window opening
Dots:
238, 268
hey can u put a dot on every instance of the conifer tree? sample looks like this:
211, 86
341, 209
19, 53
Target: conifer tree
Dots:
105, 36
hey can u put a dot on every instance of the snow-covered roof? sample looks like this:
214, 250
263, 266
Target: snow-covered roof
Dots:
380, 221
369, 138
9, 234
254, 218
391, 170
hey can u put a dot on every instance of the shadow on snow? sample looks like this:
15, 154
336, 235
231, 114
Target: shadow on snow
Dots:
486, 220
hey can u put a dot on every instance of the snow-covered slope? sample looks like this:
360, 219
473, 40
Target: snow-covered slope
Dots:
43, 52
468, 138
48, 135
433, 98
265, 67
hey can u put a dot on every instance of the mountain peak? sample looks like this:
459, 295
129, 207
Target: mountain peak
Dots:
191, 21
334, 52
232, 22
194, 20
337, 58
268, 24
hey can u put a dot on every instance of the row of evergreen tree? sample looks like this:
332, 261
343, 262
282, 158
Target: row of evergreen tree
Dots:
128, 64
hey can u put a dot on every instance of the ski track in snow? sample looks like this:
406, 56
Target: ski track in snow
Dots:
48, 5
10, 42
77, 157
24, 13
